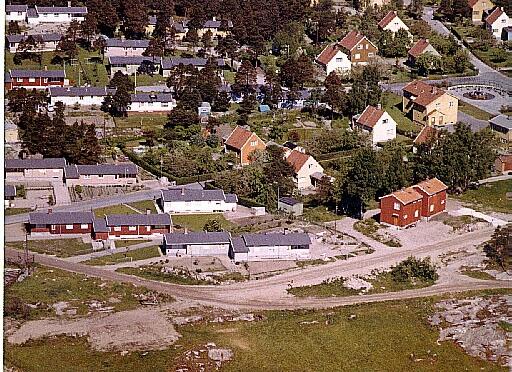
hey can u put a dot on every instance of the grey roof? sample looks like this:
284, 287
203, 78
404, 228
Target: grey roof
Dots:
289, 201
152, 20
46, 163
44, 37
60, 218
178, 26
168, 63
231, 198
138, 219
131, 60
183, 194
238, 245
31, 13
99, 225
16, 8
317, 175
197, 238
62, 9
71, 172
152, 97
271, 239
38, 73
9, 191
7, 77
126, 43
80, 91
102, 169
502, 120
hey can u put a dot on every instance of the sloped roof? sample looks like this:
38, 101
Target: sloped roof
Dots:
9, 191
273, 239
126, 43
44, 37
351, 40
62, 9
432, 186
370, 116
38, 73
297, 160
184, 194
132, 60
327, 54
424, 93
80, 91
46, 163
238, 138
425, 135
60, 218
16, 8
197, 238
152, 97
289, 201
406, 196
138, 219
418, 48
238, 245
104, 169
502, 120
495, 14
387, 19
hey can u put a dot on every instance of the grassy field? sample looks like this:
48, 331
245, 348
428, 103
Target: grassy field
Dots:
13, 211
144, 79
474, 111
491, 196
113, 209
392, 103
49, 286
370, 228
144, 205
57, 247
320, 214
139, 254
142, 121
129, 242
477, 274
196, 222
380, 337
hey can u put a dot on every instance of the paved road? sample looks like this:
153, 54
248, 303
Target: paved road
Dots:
271, 293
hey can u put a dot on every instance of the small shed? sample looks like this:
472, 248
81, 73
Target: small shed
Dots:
290, 206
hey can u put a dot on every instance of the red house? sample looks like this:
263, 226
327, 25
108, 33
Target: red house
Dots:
131, 226
60, 222
36, 79
401, 208
433, 192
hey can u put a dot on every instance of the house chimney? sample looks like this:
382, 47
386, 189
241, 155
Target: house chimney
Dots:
215, 18
182, 191
285, 231
186, 231
69, 4
148, 211
50, 210
45, 68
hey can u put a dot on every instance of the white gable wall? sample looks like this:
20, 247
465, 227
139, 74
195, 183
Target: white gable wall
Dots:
384, 130
339, 63
303, 177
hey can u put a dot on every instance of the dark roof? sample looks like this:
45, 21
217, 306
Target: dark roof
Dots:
152, 20
16, 8
99, 225
7, 77
60, 218
126, 43
62, 9
44, 37
31, 13
184, 194
38, 73
272, 239
101, 169
231, 198
238, 245
138, 219
211, 23
46, 163
289, 201
504, 121
152, 97
9, 191
197, 238
80, 91
132, 60
71, 172
168, 63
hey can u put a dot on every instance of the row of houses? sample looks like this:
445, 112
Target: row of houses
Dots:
45, 14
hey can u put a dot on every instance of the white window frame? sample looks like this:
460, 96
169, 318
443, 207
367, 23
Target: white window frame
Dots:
396, 206
117, 228
69, 227
84, 226
416, 213
132, 228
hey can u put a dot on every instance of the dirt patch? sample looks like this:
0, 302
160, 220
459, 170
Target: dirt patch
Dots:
141, 329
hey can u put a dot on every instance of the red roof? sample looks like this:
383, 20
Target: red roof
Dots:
432, 186
327, 54
425, 94
425, 135
238, 138
297, 160
370, 116
406, 196
387, 19
418, 48
495, 14
351, 40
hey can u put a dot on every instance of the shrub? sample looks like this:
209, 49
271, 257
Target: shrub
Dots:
414, 269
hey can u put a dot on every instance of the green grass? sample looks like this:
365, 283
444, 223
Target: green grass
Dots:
229, 76
392, 103
474, 111
143, 79
196, 222
477, 274
490, 196
113, 209
57, 247
13, 211
506, 326
320, 214
154, 273
381, 337
370, 228
306, 263
139, 254
129, 242
49, 286
148, 121
144, 205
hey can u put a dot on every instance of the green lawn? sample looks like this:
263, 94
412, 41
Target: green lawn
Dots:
144, 205
477, 274
474, 111
196, 222
141, 121
13, 211
320, 214
113, 209
143, 79
392, 103
139, 254
57, 247
490, 196
387, 336
229, 76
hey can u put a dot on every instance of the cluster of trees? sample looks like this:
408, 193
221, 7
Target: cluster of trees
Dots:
499, 249
51, 137
454, 59
394, 46
117, 104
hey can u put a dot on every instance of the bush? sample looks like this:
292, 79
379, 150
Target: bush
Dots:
16, 308
415, 269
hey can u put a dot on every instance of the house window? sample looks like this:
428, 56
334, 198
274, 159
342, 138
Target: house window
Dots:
100, 175
132, 228
416, 213
69, 227
442, 202
339, 60
31, 80
357, 56
495, 30
165, 104
360, 46
19, 80
87, 176
450, 104
385, 121
370, 54
148, 228
396, 206
45, 80
117, 228
433, 121
405, 216
253, 143
431, 207
84, 226
53, 227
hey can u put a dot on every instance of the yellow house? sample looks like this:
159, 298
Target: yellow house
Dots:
429, 105
478, 9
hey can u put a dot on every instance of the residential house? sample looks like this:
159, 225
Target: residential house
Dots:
358, 48
16, 13
433, 193
151, 102
333, 59
218, 28
197, 244
170, 63
429, 105
129, 65
503, 164
40, 223
36, 79
426, 135
304, 166
43, 42
270, 246
131, 226
496, 22
186, 201
244, 143
84, 96
36, 169
9, 195
401, 208
377, 123
56, 14
11, 134
479, 9
501, 125
120, 174
421, 47
290, 206
392, 22
125, 47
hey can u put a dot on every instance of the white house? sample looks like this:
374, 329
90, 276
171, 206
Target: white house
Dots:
392, 22
120, 174
197, 201
35, 169
152, 102
44, 42
84, 96
56, 14
378, 123
270, 246
333, 58
16, 13
497, 21
304, 167
197, 244
123, 47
